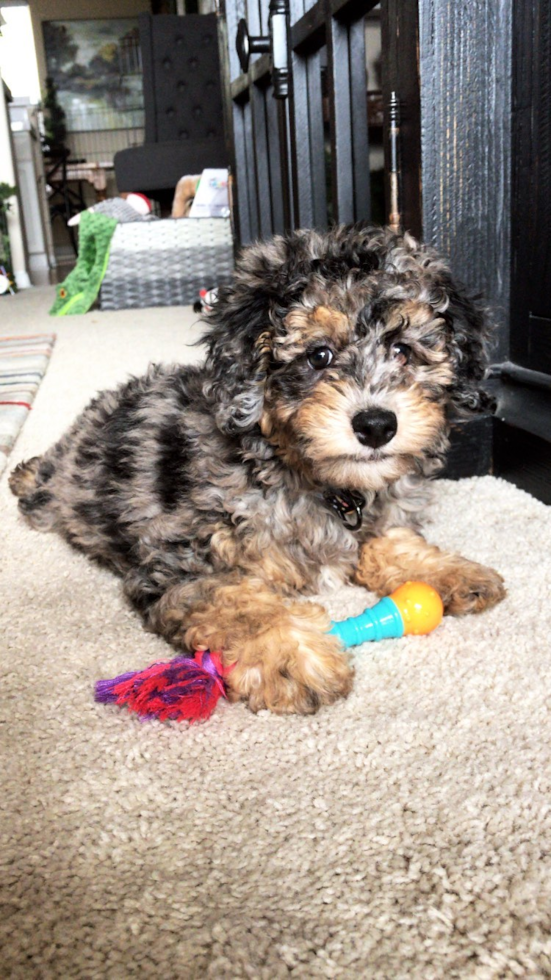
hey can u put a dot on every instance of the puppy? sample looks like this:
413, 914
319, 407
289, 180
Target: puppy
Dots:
295, 459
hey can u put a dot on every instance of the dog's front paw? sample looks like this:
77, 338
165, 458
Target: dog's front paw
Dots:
280, 655
401, 554
293, 668
470, 588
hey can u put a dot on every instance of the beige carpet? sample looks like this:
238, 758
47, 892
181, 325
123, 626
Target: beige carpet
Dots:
404, 833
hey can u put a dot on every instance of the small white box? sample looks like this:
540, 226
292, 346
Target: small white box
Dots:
211, 197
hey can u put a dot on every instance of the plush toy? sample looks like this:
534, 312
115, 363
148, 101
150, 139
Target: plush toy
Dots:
206, 301
79, 290
188, 689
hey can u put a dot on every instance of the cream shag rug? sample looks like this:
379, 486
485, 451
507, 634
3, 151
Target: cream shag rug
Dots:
403, 833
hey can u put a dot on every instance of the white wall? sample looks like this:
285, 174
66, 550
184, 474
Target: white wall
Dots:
17, 53
7, 175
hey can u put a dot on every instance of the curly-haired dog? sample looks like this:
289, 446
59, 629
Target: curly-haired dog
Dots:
296, 457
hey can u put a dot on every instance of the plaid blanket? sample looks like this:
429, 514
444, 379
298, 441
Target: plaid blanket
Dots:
23, 363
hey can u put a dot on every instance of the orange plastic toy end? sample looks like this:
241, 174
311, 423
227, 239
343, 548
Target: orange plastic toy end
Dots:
420, 606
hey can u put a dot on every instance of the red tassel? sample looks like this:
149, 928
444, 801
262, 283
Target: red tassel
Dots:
184, 689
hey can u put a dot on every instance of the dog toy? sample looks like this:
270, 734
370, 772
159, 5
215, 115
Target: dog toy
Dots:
79, 290
185, 689
206, 301
413, 608
188, 689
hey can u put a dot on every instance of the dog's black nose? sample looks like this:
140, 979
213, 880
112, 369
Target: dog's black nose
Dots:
375, 427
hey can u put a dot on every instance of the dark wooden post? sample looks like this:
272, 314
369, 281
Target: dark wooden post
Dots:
453, 61
465, 66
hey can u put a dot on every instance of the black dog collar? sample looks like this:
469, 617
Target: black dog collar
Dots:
348, 505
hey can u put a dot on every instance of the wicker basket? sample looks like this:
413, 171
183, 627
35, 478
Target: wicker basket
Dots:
166, 263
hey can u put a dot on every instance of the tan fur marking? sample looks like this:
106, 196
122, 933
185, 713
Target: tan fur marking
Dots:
334, 323
224, 546
415, 313
264, 344
325, 418
419, 420
402, 554
305, 325
272, 564
275, 566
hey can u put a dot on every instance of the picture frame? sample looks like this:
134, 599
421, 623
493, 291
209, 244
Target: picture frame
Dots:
96, 67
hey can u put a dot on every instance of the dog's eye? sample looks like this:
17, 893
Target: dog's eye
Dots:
320, 358
401, 353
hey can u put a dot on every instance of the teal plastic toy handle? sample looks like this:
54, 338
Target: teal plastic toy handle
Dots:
382, 622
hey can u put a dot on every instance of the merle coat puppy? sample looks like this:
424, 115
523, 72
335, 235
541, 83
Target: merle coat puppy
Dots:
294, 459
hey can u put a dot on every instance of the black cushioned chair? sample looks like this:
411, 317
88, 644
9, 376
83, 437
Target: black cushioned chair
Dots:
184, 130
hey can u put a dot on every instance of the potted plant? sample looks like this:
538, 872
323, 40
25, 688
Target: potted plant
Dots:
55, 128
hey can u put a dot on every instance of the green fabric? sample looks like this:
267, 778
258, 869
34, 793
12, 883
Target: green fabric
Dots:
79, 290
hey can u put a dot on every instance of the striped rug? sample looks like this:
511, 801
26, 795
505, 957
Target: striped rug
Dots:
23, 363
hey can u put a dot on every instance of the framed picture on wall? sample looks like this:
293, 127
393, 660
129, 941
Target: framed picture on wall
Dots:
96, 68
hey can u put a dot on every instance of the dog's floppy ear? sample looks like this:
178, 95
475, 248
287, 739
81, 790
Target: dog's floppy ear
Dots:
468, 323
470, 329
239, 336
